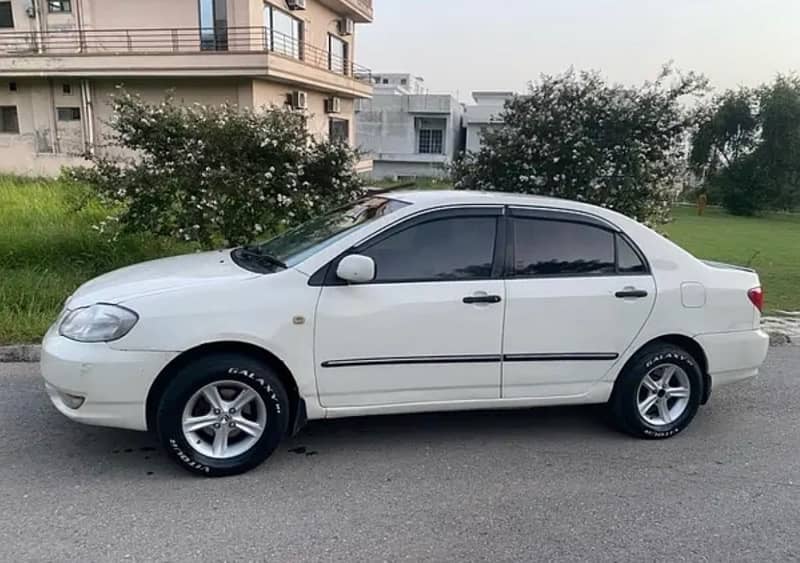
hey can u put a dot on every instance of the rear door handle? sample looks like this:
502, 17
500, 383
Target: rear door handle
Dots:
472, 299
631, 293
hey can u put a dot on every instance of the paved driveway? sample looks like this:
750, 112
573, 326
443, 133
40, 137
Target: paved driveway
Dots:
539, 484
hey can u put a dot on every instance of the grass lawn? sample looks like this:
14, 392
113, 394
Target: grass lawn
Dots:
770, 244
47, 249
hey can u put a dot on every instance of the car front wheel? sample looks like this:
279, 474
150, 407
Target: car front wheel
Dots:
658, 393
222, 415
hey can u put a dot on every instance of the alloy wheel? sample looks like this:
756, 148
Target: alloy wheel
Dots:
663, 395
224, 419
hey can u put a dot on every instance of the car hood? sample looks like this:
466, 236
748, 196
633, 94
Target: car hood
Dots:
159, 276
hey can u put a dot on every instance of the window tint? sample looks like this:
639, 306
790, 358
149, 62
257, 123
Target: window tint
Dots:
548, 248
213, 25
627, 259
337, 55
431, 135
68, 114
6, 15
339, 130
59, 6
455, 248
9, 123
285, 32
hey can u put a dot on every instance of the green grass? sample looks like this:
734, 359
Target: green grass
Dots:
770, 244
48, 249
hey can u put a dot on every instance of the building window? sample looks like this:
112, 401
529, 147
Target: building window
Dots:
66, 89
386, 81
339, 130
213, 25
431, 141
285, 32
12, 86
431, 136
337, 55
8, 119
404, 81
6, 15
69, 114
57, 6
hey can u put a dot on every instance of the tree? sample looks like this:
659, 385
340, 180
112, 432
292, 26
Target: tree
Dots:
747, 147
727, 130
722, 151
215, 175
779, 150
577, 137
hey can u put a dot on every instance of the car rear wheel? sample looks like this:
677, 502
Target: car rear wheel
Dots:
222, 415
658, 393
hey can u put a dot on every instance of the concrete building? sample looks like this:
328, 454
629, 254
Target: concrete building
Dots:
483, 115
406, 131
61, 59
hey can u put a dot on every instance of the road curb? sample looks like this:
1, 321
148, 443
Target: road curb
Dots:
20, 353
33, 352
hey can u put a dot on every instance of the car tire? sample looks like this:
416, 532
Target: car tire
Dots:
645, 404
203, 427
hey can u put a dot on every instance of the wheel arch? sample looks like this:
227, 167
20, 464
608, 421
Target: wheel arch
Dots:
691, 346
297, 409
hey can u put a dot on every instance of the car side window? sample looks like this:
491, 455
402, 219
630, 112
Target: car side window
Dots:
544, 247
451, 248
628, 260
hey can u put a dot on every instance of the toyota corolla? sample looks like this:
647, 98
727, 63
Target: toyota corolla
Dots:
402, 303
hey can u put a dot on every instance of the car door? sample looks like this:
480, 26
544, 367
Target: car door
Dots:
428, 327
578, 292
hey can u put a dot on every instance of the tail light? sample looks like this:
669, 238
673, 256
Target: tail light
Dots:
756, 296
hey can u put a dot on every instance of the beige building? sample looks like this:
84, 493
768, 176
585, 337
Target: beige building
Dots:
61, 59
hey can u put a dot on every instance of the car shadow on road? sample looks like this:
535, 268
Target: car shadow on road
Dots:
103, 450
544, 423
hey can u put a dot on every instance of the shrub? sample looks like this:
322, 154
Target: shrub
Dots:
215, 175
577, 137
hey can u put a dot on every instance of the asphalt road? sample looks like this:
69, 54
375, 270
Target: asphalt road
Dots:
545, 484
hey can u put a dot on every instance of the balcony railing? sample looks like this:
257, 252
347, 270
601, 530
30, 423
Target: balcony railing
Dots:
155, 41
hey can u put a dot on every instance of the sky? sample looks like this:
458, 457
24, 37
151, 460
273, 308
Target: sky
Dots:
460, 46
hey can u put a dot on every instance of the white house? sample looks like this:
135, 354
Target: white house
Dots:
484, 115
405, 130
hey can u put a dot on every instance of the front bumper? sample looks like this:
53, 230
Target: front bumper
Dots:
112, 383
734, 356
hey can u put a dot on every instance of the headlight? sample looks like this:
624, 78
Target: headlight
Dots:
98, 323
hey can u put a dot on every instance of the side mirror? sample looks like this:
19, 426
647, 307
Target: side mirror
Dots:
356, 268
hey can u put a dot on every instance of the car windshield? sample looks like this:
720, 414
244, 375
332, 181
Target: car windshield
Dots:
295, 245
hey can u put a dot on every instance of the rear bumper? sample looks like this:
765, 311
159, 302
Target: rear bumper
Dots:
734, 356
112, 384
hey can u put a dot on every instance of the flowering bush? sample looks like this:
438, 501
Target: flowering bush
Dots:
215, 175
577, 137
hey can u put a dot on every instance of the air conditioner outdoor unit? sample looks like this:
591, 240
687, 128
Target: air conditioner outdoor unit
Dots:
296, 4
347, 26
333, 105
299, 100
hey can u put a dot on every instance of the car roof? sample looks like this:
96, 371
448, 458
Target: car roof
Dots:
432, 198
436, 197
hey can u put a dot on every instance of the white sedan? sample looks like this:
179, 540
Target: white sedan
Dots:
400, 303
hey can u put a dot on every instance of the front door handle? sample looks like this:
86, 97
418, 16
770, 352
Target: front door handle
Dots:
472, 299
631, 293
